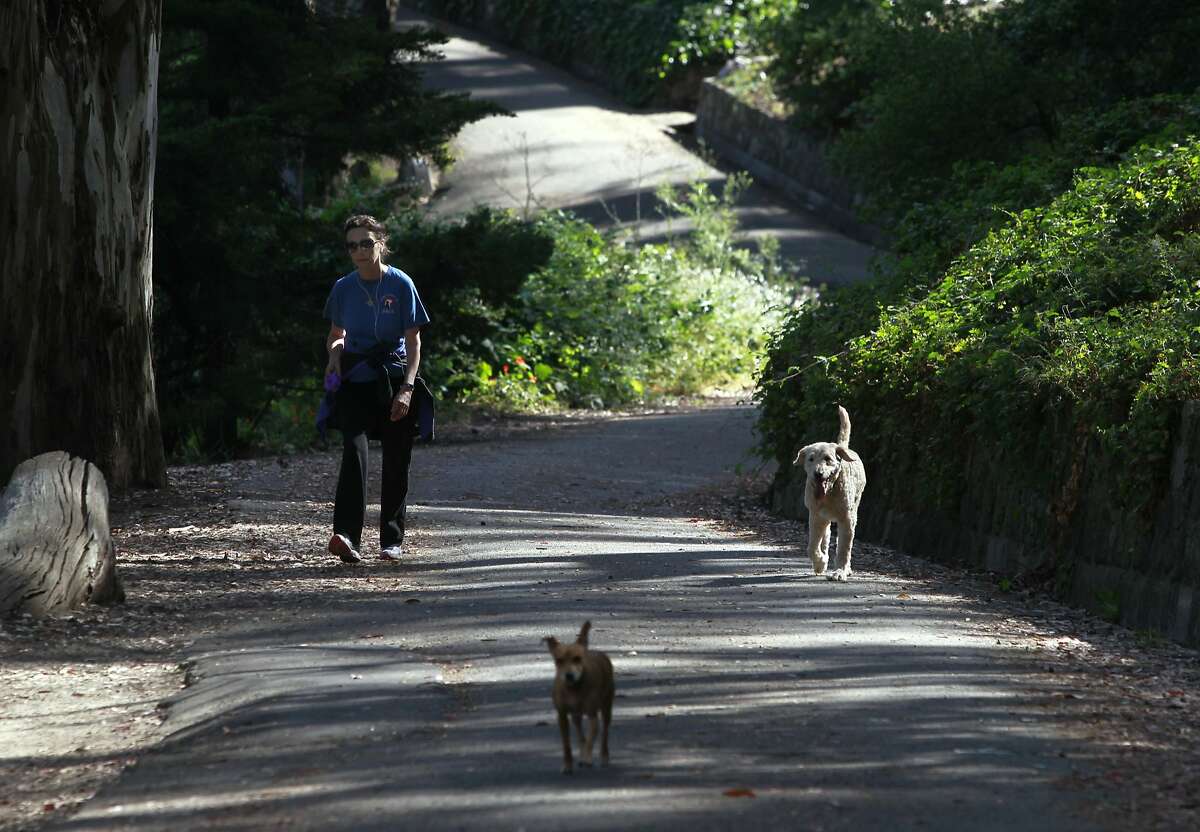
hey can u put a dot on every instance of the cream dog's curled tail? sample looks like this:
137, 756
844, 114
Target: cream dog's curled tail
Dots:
843, 437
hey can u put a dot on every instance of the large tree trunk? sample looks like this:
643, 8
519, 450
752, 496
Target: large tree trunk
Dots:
78, 126
55, 548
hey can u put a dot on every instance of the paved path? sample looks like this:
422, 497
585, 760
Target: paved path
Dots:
868, 705
571, 145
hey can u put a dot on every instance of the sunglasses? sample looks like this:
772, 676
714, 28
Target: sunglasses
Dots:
363, 245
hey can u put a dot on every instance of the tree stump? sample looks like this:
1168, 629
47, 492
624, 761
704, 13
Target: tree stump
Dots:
55, 548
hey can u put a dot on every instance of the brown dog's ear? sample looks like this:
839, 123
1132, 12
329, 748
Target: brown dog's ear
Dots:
552, 643
847, 454
583, 633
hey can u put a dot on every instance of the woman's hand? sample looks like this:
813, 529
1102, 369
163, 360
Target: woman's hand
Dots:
402, 403
335, 361
335, 344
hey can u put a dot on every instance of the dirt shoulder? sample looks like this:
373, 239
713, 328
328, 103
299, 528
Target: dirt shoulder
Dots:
81, 690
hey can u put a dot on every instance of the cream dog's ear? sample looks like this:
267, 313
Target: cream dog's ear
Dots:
583, 633
552, 643
800, 454
847, 454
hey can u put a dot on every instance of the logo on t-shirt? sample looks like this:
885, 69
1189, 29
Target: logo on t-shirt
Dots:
388, 303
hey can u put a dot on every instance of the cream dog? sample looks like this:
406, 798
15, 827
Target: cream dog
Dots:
834, 485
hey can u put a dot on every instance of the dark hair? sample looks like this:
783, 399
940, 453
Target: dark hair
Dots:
371, 224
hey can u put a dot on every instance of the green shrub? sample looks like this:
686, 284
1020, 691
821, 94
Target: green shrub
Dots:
284, 425
615, 325
542, 314
1089, 307
822, 57
982, 196
750, 84
1101, 52
469, 271
605, 324
913, 91
708, 33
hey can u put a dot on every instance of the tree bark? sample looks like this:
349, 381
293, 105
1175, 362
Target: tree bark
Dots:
78, 128
55, 549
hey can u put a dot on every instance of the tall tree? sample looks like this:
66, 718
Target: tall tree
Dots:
78, 124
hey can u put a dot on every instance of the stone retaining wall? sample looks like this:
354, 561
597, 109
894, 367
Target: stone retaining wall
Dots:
777, 154
1146, 569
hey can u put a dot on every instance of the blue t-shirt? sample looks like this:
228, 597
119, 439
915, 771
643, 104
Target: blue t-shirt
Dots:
375, 313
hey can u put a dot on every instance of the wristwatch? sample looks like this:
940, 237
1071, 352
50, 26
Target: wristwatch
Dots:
405, 386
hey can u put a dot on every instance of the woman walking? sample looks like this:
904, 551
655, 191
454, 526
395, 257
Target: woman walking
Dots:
374, 347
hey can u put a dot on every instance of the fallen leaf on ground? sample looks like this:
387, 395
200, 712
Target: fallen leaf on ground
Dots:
738, 793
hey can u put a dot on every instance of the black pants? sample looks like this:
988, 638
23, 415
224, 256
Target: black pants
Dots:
360, 412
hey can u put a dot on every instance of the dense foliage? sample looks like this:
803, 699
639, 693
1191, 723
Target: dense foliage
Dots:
607, 324
549, 312
1089, 306
994, 140
909, 90
261, 104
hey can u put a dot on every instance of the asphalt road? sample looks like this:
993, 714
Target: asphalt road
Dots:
749, 691
571, 145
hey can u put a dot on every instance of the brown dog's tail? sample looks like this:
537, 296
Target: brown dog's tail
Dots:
843, 437
583, 633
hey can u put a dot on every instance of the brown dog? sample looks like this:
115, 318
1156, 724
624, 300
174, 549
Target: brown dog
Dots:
583, 684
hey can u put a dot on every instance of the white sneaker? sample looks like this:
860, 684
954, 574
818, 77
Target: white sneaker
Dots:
341, 546
391, 553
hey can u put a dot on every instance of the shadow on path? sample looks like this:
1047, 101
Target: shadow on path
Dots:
874, 704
